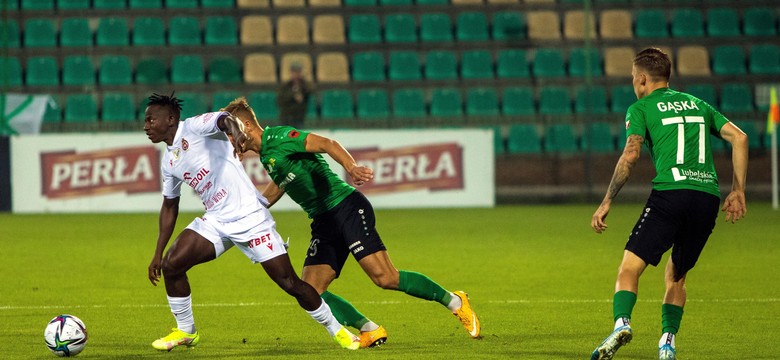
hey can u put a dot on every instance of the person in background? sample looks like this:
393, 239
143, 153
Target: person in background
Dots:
292, 98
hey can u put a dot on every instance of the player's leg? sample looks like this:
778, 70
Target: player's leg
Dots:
671, 311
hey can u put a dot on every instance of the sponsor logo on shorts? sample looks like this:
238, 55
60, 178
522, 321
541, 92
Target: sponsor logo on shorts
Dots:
265, 239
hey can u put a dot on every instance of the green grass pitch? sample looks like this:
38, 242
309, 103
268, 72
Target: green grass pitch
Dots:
538, 276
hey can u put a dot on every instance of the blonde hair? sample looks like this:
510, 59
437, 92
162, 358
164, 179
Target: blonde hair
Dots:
239, 105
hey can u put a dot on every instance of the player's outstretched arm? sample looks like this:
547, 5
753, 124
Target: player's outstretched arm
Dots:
320, 144
734, 206
620, 176
168, 214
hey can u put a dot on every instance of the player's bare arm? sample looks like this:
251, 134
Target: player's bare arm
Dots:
272, 193
620, 176
169, 212
734, 206
320, 144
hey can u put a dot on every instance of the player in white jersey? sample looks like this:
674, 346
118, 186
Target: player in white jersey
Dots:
199, 154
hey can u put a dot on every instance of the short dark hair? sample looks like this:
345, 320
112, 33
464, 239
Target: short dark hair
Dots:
171, 101
655, 62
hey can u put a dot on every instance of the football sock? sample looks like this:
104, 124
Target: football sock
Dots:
421, 286
666, 338
455, 303
181, 307
671, 316
623, 304
346, 314
324, 316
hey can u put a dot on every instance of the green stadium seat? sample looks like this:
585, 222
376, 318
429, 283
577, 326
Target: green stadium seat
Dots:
687, 23
214, 4
471, 26
621, 97
11, 28
704, 92
193, 104
53, 112
151, 71
10, 72
446, 102
482, 101
39, 33
409, 103
400, 28
728, 60
498, 140
548, 63
508, 26
736, 98
372, 104
476, 64
221, 99
360, 2
395, 2
518, 101
722, 22
364, 29
37, 5
368, 66
759, 21
584, 60
81, 108
115, 70
187, 69
554, 100
109, 4
221, 30
591, 100
650, 23
598, 137
264, 105
559, 138
225, 70
118, 107
148, 31
435, 27
75, 32
404, 65
78, 70
184, 30
73, 4
523, 139
432, 2
146, 4
10, 5
441, 65
311, 110
337, 104
112, 31
512, 64
181, 4
764, 59
750, 129
42, 71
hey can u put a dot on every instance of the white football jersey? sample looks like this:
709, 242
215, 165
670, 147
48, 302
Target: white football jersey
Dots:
202, 157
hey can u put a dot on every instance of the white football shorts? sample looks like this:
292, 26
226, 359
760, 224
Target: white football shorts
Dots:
255, 234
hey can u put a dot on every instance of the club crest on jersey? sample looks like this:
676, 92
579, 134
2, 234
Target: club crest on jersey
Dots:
184, 144
270, 165
294, 134
176, 153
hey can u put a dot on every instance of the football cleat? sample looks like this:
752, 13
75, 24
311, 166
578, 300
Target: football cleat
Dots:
667, 352
347, 339
373, 338
619, 337
176, 338
467, 316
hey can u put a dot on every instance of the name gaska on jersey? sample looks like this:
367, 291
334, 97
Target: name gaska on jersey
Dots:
676, 106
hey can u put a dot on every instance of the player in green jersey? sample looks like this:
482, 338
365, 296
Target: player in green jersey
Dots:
683, 206
343, 220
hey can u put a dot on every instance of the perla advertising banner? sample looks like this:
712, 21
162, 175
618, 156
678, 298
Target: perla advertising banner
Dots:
121, 172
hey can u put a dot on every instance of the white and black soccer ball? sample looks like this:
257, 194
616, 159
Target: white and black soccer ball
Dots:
66, 335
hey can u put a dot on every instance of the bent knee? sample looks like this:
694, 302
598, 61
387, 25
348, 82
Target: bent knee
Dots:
386, 281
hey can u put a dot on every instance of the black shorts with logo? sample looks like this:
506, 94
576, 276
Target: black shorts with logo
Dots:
350, 227
679, 219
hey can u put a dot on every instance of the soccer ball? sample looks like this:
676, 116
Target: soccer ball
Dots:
65, 335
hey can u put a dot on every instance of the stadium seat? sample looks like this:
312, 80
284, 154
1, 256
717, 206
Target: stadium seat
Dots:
73, 4
115, 70
466, 2
10, 72
404, 65
78, 70
187, 69
409, 103
446, 102
220, 30
146, 4
151, 71
508, 26
109, 4
112, 31
621, 97
292, 30
498, 140
704, 92
615, 25
364, 3
585, 62
518, 101
764, 59
181, 4
39, 33
693, 60
749, 128
481, 101
53, 112
736, 98
289, 4
512, 64
722, 22
476, 64
260, 68
372, 104
325, 3
75, 32
432, 2
650, 23
42, 71
37, 5
337, 104
10, 5
224, 70
328, 29
759, 21
471, 26
597, 137
728, 60
560, 138
184, 30
400, 28
523, 139
220, 99
368, 66
548, 63
332, 67
591, 100
395, 2
441, 65
148, 31
217, 4
435, 27
256, 30
301, 58
578, 26
11, 28
554, 100
543, 25
118, 107
687, 23
252, 4
617, 61
192, 104
364, 29
264, 105
81, 108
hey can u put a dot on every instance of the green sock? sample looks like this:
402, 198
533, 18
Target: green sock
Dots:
671, 316
344, 312
421, 286
622, 304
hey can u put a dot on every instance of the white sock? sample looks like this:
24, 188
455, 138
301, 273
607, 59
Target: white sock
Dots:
455, 303
324, 316
181, 307
369, 326
622, 321
666, 338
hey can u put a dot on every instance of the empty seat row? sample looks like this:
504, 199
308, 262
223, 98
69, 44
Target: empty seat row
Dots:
48, 5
